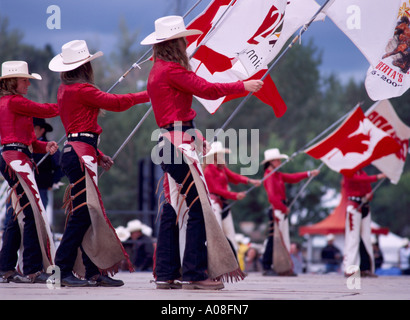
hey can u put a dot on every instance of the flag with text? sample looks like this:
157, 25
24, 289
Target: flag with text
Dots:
383, 115
354, 145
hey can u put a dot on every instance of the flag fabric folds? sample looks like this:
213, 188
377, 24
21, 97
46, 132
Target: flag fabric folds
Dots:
244, 42
390, 78
368, 24
354, 145
383, 115
380, 29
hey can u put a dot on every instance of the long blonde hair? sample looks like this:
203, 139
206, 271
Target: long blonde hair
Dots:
171, 50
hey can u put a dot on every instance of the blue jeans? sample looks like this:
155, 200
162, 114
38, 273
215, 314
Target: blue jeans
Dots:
195, 262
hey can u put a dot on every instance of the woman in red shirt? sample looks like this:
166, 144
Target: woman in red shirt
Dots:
87, 228
358, 250
276, 190
171, 87
218, 177
16, 165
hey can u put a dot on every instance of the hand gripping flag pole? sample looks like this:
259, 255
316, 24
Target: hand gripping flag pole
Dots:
373, 191
304, 187
48, 153
324, 132
324, 7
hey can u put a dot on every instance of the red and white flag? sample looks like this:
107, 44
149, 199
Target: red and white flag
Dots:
380, 30
243, 43
354, 145
390, 76
383, 115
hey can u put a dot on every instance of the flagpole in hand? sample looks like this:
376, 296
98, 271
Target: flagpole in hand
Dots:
304, 187
372, 192
48, 153
296, 153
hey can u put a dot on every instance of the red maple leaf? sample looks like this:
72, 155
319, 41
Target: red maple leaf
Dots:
213, 61
357, 144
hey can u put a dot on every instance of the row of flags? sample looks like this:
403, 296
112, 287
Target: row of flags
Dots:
242, 37
245, 36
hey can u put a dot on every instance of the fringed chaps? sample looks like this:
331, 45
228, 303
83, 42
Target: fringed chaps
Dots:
222, 264
20, 166
100, 242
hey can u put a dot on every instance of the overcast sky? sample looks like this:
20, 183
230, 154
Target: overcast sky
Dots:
98, 21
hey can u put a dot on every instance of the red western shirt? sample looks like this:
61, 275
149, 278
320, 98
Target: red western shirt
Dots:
16, 120
275, 187
217, 179
171, 88
80, 103
359, 184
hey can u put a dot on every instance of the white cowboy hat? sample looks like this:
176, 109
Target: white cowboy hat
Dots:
134, 225
217, 147
146, 230
218, 150
273, 154
168, 28
17, 69
73, 54
240, 238
122, 233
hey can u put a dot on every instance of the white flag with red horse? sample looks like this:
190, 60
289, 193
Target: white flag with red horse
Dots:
380, 30
354, 145
246, 38
383, 115
390, 76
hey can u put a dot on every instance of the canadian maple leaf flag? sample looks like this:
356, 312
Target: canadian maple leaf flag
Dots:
244, 42
354, 145
383, 115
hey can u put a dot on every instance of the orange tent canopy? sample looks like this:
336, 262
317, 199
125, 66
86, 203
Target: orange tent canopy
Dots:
335, 222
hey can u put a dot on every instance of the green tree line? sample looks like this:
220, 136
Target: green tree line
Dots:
314, 102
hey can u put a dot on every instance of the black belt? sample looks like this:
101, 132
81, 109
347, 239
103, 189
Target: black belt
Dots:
17, 146
355, 199
87, 137
83, 134
183, 125
365, 206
